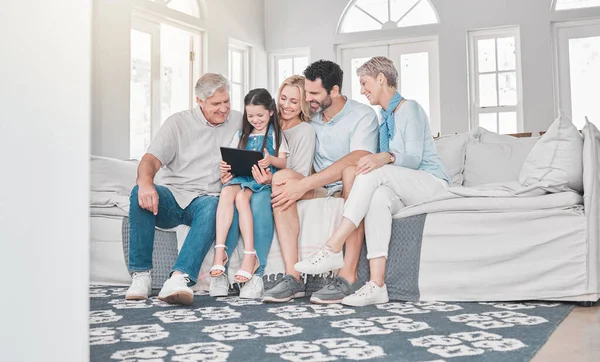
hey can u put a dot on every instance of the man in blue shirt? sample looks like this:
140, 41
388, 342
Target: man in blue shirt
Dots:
346, 130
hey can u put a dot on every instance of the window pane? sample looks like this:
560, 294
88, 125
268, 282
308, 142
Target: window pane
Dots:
300, 65
486, 55
576, 4
377, 8
140, 132
285, 68
508, 88
414, 78
175, 70
189, 7
423, 13
487, 90
236, 66
508, 122
236, 97
488, 121
584, 61
401, 7
356, 20
507, 59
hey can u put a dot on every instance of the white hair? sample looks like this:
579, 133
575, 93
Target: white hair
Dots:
209, 84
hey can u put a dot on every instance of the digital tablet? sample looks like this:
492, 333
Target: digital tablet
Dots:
241, 161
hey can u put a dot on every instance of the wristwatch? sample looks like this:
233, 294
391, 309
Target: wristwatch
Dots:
392, 157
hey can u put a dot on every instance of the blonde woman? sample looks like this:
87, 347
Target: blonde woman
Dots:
407, 170
294, 116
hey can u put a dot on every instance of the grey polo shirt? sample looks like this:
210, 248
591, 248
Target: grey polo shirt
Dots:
188, 147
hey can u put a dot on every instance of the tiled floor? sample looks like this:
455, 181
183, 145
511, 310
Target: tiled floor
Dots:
576, 339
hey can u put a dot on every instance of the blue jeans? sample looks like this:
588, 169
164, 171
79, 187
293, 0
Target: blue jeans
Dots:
200, 216
262, 216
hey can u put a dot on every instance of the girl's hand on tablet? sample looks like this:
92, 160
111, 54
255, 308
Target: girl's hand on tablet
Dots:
265, 162
224, 167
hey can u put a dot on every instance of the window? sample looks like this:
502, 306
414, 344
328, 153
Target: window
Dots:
165, 62
239, 76
418, 73
575, 4
495, 80
284, 64
365, 15
189, 7
578, 70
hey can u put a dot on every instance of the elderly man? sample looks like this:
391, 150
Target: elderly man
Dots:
187, 146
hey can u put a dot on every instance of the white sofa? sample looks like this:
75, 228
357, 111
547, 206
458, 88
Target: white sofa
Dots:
490, 237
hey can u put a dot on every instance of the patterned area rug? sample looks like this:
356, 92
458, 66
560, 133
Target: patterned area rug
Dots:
233, 329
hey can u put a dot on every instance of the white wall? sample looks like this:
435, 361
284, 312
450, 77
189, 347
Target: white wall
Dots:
44, 139
312, 23
242, 20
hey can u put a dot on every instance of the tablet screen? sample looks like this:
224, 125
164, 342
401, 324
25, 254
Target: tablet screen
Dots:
241, 161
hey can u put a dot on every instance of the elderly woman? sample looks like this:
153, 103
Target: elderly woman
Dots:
407, 170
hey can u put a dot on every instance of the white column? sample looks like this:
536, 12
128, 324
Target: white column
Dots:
44, 179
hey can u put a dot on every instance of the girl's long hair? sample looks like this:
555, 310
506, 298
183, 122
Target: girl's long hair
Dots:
261, 97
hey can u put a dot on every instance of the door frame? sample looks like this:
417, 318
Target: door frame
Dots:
563, 104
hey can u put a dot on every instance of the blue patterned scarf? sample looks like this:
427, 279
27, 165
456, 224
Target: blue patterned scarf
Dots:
387, 127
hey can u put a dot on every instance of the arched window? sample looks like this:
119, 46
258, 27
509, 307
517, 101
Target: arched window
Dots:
190, 7
365, 15
575, 4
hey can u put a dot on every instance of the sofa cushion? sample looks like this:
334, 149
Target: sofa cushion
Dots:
452, 151
486, 136
487, 163
556, 159
112, 175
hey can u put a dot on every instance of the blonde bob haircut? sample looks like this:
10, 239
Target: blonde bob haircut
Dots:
383, 65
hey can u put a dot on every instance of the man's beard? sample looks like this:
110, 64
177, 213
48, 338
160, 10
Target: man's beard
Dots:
327, 102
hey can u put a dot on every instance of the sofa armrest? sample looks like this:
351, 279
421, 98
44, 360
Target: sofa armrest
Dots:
591, 201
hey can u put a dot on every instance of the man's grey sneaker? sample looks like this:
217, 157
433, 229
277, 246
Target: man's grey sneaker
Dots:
219, 286
176, 290
334, 292
284, 290
321, 261
141, 286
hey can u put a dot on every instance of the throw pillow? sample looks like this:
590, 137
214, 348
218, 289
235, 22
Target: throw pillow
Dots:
556, 159
452, 151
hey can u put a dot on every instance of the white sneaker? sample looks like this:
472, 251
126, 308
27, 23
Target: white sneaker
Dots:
176, 290
219, 286
253, 289
321, 261
370, 293
141, 286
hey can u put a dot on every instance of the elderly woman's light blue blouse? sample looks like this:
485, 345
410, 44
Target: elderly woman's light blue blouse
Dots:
413, 143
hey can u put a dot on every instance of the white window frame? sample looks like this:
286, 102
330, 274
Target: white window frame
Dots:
474, 109
147, 17
273, 63
247, 82
562, 77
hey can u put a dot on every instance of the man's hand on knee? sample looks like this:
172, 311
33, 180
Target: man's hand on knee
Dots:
287, 193
148, 198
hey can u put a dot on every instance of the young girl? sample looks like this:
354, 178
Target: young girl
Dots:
260, 132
